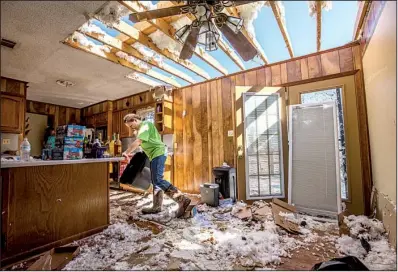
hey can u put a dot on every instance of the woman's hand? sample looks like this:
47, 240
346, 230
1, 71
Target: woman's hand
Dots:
126, 155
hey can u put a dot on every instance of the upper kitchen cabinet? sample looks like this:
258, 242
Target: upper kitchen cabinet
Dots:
12, 114
13, 87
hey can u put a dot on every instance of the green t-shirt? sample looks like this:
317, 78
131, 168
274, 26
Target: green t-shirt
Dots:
151, 141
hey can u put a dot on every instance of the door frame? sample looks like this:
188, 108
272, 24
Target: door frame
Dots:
240, 139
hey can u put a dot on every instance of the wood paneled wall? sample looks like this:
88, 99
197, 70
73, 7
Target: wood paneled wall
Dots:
205, 112
62, 115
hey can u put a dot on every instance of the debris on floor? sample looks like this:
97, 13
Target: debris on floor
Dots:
55, 259
216, 239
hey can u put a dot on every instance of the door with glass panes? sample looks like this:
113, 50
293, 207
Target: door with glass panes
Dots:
261, 139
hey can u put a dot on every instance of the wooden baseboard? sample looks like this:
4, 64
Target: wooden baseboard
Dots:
10, 260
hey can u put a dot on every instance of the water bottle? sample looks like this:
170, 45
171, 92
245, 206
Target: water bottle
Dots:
25, 150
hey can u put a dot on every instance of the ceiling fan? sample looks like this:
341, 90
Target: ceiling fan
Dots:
205, 29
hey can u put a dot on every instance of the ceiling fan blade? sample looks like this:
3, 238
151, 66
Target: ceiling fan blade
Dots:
190, 44
157, 13
239, 42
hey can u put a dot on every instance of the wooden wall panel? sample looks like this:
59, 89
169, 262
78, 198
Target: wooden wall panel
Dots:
62, 115
207, 122
330, 63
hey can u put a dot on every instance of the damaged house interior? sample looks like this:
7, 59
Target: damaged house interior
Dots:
198, 135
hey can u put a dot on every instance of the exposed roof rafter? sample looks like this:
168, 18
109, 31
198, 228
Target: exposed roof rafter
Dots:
112, 57
167, 29
136, 35
234, 12
362, 11
282, 26
120, 45
318, 24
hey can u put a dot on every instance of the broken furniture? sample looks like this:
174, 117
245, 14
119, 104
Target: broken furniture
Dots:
209, 194
225, 177
51, 203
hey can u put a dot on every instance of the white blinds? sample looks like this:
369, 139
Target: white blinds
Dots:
314, 182
264, 177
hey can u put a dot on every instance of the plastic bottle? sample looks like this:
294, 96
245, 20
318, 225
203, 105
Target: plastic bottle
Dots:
25, 150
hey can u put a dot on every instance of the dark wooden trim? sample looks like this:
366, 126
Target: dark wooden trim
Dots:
137, 106
371, 21
6, 261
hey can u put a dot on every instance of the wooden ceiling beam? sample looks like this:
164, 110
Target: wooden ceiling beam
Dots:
318, 24
234, 12
137, 36
362, 11
115, 59
168, 30
282, 27
121, 46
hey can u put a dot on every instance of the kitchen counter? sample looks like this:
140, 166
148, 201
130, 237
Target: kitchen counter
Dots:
12, 164
46, 204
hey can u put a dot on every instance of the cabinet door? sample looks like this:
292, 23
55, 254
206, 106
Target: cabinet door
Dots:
12, 114
124, 130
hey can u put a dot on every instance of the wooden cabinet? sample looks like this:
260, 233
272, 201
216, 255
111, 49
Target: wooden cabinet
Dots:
12, 114
43, 205
13, 87
124, 130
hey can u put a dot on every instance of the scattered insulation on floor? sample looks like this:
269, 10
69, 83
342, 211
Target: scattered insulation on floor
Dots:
112, 13
164, 42
325, 5
368, 241
216, 240
133, 60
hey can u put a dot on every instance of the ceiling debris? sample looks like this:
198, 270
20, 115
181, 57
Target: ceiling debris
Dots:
84, 41
112, 13
133, 60
326, 5
89, 27
148, 5
148, 53
249, 13
164, 42
143, 79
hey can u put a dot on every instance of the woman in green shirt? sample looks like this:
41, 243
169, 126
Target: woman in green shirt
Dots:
149, 139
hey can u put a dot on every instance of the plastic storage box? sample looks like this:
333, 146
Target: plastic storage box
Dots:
209, 194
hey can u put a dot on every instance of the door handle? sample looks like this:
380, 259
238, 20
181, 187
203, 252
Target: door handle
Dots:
240, 152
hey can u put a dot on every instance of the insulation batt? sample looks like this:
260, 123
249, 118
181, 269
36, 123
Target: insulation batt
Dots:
133, 60
164, 42
148, 53
84, 41
89, 27
213, 240
112, 13
381, 255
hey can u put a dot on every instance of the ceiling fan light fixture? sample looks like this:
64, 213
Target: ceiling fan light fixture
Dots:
208, 36
234, 23
182, 34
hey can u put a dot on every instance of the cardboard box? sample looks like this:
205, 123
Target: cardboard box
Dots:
72, 153
74, 142
280, 206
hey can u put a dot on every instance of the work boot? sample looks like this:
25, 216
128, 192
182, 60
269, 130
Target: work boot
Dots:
182, 201
157, 203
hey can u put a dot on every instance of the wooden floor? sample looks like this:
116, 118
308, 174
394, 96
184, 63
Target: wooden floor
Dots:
303, 258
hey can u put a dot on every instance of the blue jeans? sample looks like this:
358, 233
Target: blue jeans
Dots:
157, 170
